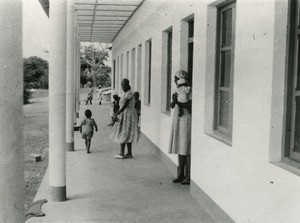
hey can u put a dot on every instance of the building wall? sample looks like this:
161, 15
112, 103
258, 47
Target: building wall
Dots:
241, 178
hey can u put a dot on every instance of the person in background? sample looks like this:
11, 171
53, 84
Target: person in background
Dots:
125, 130
86, 129
99, 95
90, 95
114, 109
137, 105
180, 137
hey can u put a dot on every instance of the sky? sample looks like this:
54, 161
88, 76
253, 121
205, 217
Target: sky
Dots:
35, 30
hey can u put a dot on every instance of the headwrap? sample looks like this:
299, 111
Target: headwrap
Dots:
181, 74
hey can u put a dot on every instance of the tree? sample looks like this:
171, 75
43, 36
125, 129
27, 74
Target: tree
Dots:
35, 72
92, 61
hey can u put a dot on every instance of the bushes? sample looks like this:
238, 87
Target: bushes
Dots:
35, 71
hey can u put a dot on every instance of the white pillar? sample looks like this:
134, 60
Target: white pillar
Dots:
78, 80
11, 101
70, 78
57, 100
76, 84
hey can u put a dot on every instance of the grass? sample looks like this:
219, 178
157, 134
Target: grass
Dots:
35, 142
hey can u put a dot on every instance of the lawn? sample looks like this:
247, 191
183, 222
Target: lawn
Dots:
35, 142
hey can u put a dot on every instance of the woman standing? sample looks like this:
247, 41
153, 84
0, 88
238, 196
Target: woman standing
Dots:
180, 140
125, 129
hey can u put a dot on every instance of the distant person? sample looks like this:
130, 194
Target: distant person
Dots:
125, 130
99, 94
90, 95
180, 137
114, 109
137, 105
86, 129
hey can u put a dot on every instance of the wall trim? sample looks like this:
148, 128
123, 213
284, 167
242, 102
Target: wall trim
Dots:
170, 165
217, 213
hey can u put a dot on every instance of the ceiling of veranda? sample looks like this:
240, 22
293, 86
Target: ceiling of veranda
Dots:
101, 20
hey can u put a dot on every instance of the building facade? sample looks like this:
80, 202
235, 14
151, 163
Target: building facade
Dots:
243, 58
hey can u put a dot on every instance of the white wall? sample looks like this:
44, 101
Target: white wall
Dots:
239, 178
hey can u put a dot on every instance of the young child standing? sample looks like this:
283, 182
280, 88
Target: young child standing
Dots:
182, 91
86, 129
137, 104
114, 109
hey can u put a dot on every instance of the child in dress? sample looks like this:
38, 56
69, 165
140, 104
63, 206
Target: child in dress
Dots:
86, 129
89, 97
114, 109
183, 89
137, 104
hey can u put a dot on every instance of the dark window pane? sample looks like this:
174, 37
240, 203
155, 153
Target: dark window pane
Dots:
226, 27
297, 126
297, 72
225, 68
191, 28
224, 109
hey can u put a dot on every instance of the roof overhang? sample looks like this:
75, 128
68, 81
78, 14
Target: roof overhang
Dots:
101, 20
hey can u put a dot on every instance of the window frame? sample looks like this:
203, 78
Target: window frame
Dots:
292, 92
225, 133
148, 65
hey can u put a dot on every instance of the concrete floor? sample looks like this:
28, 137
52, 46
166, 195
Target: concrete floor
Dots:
103, 189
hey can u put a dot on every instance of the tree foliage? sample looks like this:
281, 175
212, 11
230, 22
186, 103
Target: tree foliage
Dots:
93, 68
35, 71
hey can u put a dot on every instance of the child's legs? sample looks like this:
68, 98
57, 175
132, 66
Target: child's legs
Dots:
85, 142
88, 145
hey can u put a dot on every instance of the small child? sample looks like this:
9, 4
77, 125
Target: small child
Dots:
137, 104
99, 95
182, 91
115, 108
89, 97
86, 129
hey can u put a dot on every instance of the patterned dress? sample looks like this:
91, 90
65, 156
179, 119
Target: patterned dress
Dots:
125, 130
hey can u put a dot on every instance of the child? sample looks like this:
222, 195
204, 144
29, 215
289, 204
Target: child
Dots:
99, 95
86, 129
182, 91
115, 108
90, 95
137, 104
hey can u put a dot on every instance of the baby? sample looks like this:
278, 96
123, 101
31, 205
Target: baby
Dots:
182, 92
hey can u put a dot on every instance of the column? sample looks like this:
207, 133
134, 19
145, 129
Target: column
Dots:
78, 80
76, 85
70, 78
11, 101
57, 100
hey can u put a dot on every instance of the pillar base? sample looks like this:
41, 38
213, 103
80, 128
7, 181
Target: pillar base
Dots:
70, 146
58, 194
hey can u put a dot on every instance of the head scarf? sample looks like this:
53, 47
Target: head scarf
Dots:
181, 74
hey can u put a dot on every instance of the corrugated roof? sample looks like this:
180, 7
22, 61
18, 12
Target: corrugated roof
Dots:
102, 20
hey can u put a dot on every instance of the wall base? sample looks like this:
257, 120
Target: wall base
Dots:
70, 146
197, 193
210, 206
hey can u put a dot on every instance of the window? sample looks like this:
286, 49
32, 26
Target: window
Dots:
133, 68
147, 93
114, 74
190, 50
292, 134
121, 68
139, 67
166, 76
127, 65
224, 71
